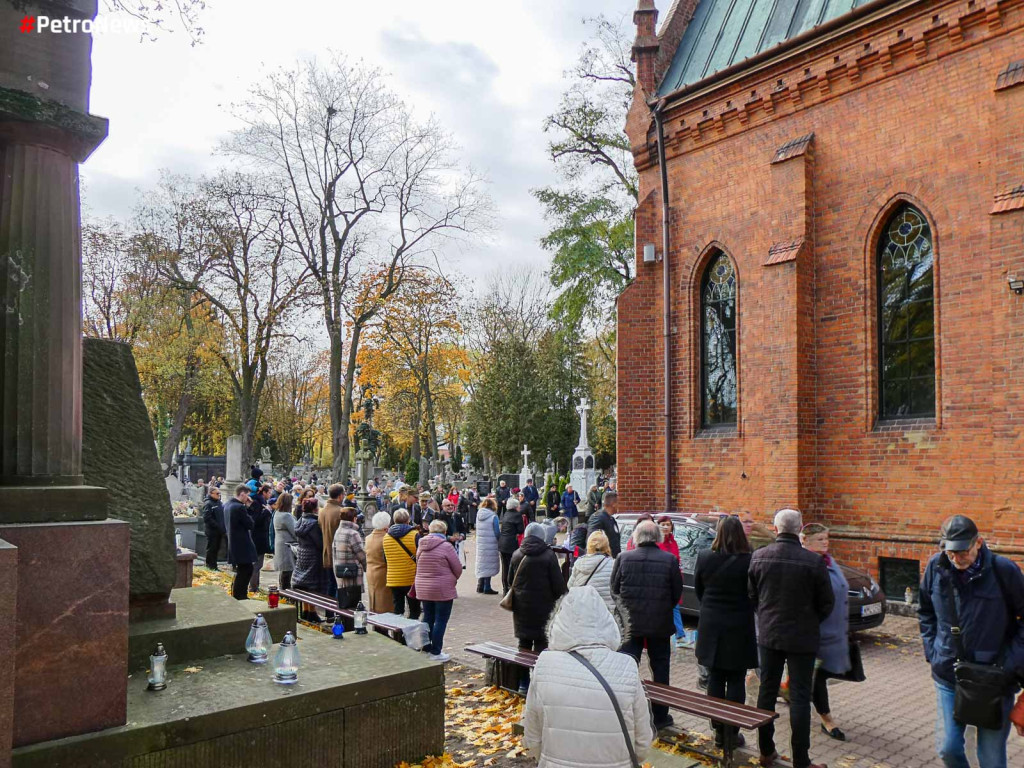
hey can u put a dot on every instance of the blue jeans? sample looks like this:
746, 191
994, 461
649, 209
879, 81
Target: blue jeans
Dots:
436, 614
677, 617
949, 735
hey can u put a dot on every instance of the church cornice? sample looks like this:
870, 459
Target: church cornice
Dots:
863, 50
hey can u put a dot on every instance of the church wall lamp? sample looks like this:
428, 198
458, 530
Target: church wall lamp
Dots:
1016, 284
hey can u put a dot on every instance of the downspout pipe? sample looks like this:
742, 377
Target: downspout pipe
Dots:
656, 112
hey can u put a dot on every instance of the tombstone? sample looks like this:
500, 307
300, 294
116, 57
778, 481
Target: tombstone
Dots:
266, 463
525, 473
175, 488
424, 478
583, 474
235, 471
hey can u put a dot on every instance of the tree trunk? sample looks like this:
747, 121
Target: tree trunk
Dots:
339, 430
184, 405
346, 404
247, 417
431, 425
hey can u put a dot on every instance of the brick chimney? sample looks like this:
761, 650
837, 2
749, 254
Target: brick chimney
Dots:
645, 47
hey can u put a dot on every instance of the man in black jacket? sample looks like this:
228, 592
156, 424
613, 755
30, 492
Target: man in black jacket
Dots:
966, 585
262, 517
790, 590
603, 520
648, 584
531, 497
213, 526
241, 549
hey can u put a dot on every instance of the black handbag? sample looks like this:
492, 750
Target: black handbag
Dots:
981, 689
347, 571
855, 674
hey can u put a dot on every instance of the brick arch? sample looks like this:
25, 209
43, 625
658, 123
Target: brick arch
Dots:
872, 221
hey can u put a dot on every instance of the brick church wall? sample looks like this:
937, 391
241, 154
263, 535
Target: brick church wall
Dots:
920, 104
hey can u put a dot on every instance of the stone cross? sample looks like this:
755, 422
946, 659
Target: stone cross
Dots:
582, 409
526, 455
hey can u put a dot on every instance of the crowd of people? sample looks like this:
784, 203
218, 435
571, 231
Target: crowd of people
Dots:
779, 612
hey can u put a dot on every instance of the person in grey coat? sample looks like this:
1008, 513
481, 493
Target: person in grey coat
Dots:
284, 537
834, 648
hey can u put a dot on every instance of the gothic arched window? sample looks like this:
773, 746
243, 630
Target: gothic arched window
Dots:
719, 392
906, 317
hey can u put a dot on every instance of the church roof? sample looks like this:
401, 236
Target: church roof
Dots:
724, 32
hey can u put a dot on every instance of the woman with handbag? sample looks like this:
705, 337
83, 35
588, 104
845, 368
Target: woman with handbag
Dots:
349, 558
284, 526
595, 569
536, 584
834, 648
726, 641
586, 706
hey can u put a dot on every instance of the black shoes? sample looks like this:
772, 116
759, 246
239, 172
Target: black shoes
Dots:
835, 733
489, 592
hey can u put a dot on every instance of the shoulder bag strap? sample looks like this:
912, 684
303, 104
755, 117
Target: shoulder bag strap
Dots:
954, 607
615, 704
402, 545
598, 568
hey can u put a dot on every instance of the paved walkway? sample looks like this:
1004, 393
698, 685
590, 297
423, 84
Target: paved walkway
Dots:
889, 719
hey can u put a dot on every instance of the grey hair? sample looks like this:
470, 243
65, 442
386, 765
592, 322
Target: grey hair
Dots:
381, 521
535, 529
512, 503
401, 516
438, 526
647, 532
788, 521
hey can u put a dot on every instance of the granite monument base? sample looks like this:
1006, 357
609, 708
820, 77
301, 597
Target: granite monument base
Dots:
8, 607
71, 637
231, 713
209, 623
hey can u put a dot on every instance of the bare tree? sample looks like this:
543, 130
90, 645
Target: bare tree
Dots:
222, 240
369, 191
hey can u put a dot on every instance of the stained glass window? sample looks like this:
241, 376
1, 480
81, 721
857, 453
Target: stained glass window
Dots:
906, 317
718, 342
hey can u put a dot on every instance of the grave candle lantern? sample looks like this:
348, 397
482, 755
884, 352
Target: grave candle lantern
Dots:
338, 629
158, 669
286, 662
359, 619
273, 597
258, 643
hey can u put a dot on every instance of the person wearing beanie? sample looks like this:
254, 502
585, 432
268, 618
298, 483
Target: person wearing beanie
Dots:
536, 583
511, 528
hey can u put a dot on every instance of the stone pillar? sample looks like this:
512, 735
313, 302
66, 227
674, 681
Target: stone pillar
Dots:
70, 586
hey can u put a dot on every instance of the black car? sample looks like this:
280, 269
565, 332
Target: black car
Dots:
695, 532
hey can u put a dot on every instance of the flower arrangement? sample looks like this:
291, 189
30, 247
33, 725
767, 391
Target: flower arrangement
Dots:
183, 509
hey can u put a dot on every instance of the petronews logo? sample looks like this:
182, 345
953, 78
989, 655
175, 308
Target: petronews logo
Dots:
65, 25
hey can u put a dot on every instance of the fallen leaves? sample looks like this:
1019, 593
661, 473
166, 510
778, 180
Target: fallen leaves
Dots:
193, 670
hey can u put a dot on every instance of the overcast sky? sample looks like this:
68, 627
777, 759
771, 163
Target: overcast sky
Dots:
489, 71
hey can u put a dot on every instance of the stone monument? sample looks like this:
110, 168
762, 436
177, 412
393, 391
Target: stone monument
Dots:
112, 394
234, 474
525, 473
266, 463
424, 478
583, 474
68, 624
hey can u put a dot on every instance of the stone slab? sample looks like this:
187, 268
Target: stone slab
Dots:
232, 713
8, 607
117, 443
209, 623
52, 504
72, 627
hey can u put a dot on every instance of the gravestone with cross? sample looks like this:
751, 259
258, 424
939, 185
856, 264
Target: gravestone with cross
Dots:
583, 473
525, 473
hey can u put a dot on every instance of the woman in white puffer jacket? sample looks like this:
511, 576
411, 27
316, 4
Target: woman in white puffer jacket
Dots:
569, 720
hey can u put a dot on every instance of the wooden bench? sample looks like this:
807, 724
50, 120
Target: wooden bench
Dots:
330, 605
690, 702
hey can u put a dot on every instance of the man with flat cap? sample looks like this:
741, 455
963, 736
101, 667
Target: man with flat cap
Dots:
971, 609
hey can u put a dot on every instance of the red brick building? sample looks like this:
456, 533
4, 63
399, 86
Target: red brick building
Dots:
845, 215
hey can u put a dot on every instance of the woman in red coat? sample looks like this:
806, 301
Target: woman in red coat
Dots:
668, 543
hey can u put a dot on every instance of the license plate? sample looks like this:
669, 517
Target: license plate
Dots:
872, 609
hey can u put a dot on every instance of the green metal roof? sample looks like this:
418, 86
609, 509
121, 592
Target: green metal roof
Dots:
724, 32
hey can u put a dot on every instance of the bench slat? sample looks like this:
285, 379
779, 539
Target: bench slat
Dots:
322, 601
691, 702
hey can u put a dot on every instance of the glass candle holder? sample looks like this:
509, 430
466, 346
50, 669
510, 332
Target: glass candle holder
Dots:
359, 619
158, 669
273, 596
258, 643
286, 662
338, 628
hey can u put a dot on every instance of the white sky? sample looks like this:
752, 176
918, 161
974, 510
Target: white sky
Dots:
490, 72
